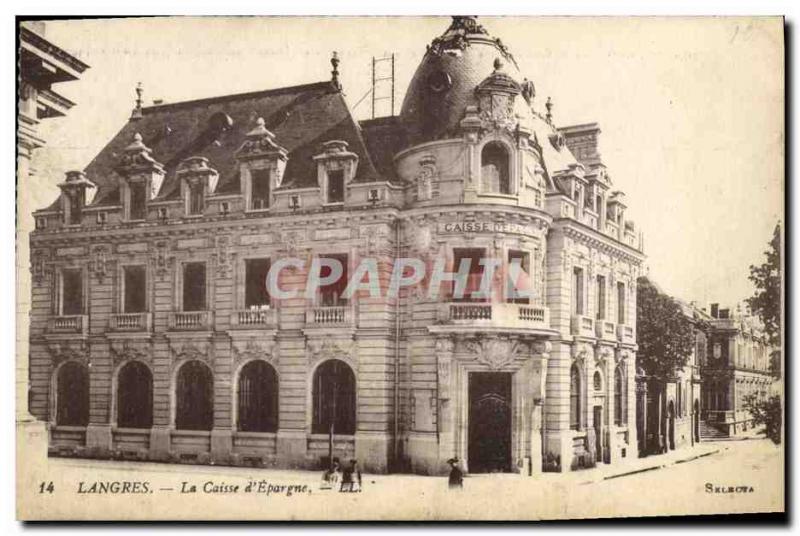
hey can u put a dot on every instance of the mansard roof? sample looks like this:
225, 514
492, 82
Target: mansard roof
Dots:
301, 117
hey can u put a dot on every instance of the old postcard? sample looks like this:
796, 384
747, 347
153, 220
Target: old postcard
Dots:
399, 268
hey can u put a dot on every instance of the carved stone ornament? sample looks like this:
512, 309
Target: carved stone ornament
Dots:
542, 348
331, 348
419, 235
444, 346
603, 356
254, 349
125, 350
372, 236
292, 240
160, 258
425, 177
223, 257
41, 270
191, 350
68, 350
444, 363
99, 264
494, 352
580, 355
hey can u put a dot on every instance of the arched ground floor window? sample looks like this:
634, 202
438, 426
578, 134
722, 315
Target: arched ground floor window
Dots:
134, 396
334, 398
257, 402
194, 395
575, 398
72, 395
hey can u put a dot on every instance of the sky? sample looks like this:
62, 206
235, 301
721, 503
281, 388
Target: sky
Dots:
691, 109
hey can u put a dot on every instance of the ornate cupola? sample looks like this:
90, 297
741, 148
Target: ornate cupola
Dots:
444, 84
141, 179
336, 168
198, 181
262, 163
73, 196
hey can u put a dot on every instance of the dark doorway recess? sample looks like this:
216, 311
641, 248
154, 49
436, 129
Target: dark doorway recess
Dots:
489, 422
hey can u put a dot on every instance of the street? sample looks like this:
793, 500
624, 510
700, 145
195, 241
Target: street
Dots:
733, 476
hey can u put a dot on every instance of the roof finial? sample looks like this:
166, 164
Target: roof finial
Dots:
137, 110
498, 64
549, 106
335, 71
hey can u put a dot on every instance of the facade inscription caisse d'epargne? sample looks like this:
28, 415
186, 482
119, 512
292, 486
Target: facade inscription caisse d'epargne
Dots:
153, 336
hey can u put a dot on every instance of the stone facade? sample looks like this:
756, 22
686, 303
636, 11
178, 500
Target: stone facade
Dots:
206, 187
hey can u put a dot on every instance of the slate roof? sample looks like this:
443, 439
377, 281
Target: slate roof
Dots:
301, 117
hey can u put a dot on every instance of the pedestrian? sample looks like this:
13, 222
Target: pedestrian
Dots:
456, 478
331, 477
351, 477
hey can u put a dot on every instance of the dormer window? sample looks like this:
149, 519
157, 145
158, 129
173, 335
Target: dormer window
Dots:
41, 223
73, 197
198, 180
260, 192
142, 177
335, 192
196, 199
75, 213
138, 201
261, 165
495, 168
336, 168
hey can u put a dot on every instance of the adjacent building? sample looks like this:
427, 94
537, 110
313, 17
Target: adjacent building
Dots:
153, 335
737, 365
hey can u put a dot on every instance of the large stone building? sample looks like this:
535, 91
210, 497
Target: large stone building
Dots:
152, 335
737, 365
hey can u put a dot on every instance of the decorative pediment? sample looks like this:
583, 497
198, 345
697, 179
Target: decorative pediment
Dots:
130, 350
254, 348
260, 144
196, 170
138, 158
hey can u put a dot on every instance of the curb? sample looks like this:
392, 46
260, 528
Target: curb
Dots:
653, 467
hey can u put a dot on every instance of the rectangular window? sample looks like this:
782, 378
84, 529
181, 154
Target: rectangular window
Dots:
135, 289
196, 199
331, 294
621, 303
336, 186
474, 277
71, 292
523, 282
194, 286
601, 297
259, 189
256, 293
577, 290
138, 201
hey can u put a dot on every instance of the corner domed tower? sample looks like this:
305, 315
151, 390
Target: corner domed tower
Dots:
445, 81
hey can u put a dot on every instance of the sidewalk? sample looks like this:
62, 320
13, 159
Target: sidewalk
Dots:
649, 463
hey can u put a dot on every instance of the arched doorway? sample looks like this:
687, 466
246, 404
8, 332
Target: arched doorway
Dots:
489, 449
671, 425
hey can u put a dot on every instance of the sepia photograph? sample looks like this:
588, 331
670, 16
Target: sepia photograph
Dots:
399, 268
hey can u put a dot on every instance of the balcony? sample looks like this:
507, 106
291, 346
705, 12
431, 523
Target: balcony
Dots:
625, 334
191, 321
605, 330
330, 315
254, 319
496, 315
131, 322
71, 325
583, 326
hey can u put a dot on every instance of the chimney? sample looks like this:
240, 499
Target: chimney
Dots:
714, 310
